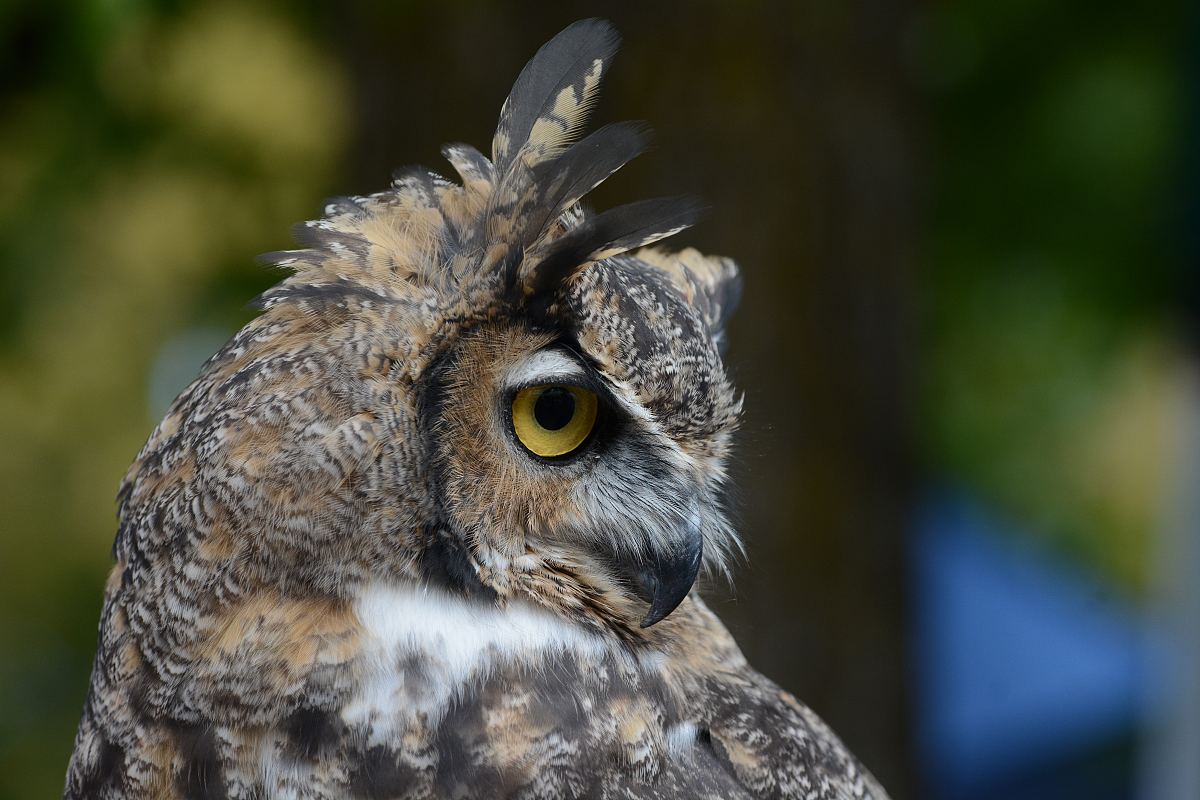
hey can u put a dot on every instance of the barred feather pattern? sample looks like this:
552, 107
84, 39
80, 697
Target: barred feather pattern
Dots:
336, 574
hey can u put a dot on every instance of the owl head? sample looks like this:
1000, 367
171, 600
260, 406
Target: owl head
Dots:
474, 384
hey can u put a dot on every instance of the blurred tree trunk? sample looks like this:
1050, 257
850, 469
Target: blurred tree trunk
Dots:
793, 121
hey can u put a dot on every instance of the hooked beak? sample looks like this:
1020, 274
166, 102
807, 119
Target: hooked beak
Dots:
666, 576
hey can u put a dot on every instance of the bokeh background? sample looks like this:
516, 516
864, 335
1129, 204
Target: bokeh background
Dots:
968, 340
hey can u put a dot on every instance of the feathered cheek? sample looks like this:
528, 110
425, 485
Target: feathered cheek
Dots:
554, 513
494, 496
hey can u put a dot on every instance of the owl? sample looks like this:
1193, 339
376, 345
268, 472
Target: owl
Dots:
429, 526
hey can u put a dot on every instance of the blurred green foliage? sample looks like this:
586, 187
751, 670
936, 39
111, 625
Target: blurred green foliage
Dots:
146, 152
1049, 278
148, 149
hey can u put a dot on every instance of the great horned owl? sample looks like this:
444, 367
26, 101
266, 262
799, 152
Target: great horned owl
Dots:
429, 525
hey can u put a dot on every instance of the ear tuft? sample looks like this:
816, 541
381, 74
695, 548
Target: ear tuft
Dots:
611, 233
550, 101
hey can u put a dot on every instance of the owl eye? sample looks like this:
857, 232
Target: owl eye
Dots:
553, 420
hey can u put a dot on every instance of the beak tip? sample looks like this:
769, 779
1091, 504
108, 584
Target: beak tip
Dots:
655, 616
674, 581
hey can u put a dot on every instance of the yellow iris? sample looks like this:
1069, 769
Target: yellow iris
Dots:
554, 419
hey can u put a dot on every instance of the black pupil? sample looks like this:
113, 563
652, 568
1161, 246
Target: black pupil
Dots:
554, 408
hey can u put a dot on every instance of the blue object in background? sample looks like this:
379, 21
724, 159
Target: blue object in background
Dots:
1030, 681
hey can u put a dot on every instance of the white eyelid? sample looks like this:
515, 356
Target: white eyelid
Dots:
544, 366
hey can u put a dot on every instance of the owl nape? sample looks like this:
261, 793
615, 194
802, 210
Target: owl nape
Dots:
429, 526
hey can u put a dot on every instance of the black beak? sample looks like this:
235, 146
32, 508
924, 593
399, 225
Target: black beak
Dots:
666, 577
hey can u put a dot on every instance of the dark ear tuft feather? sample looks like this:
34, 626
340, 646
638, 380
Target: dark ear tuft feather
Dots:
610, 233
550, 100
540, 176
585, 165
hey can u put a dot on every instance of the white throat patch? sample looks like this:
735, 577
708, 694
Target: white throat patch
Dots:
454, 641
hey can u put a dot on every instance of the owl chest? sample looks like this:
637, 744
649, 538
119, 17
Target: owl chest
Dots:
450, 691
